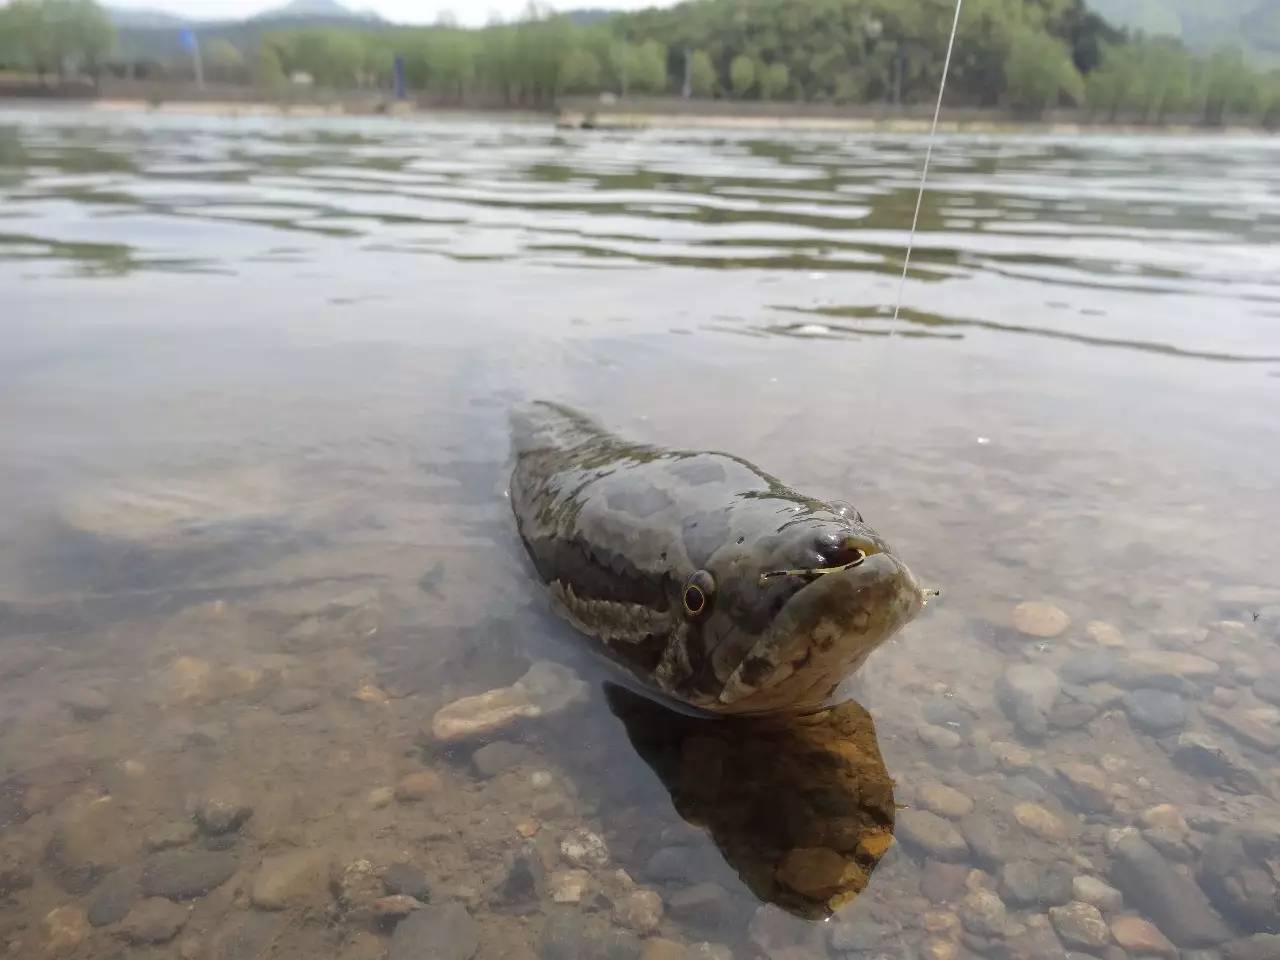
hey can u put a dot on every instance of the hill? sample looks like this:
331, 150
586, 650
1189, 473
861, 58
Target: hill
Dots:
1253, 25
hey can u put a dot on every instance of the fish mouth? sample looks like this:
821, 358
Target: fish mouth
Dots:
824, 633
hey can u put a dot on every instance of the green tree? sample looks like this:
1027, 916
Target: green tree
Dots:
702, 74
774, 80
742, 75
268, 68
580, 72
1039, 71
222, 60
1227, 86
50, 36
647, 67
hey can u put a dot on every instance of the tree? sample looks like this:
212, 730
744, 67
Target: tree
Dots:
222, 60
580, 72
268, 70
702, 74
647, 67
1227, 85
1039, 71
774, 80
742, 75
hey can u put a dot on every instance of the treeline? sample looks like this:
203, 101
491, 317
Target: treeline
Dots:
1027, 55
52, 37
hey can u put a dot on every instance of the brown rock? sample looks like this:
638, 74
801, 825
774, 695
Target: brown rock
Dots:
291, 879
1141, 938
64, 929
1088, 786
154, 920
943, 882
1080, 925
944, 800
660, 949
1040, 821
1039, 619
640, 911
417, 786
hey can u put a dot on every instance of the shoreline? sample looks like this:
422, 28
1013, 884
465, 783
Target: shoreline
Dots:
615, 117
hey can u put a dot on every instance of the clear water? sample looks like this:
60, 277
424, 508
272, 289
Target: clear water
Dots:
253, 391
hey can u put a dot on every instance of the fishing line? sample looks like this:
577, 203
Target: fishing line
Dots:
928, 157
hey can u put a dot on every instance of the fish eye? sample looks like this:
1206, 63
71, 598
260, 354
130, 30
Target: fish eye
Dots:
697, 593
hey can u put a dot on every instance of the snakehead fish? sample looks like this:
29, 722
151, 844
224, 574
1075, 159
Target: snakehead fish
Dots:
711, 581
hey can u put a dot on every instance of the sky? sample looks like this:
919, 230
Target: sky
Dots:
472, 12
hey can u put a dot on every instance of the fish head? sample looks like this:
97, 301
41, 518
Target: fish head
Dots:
799, 608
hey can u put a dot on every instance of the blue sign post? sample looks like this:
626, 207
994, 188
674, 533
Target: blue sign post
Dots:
399, 77
191, 43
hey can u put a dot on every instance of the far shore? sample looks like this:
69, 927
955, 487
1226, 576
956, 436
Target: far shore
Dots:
585, 114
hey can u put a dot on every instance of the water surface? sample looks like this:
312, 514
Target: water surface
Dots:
253, 391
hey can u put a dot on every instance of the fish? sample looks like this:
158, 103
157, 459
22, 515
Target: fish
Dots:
710, 581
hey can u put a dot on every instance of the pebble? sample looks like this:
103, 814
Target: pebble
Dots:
1020, 883
1167, 816
943, 800
1027, 692
940, 738
113, 898
291, 879
1207, 756
583, 848
497, 757
1104, 634
1089, 666
87, 703
1160, 667
443, 931
568, 935
569, 886
1173, 902
417, 786
819, 873
983, 913
394, 907
1248, 726
1038, 618
640, 911
527, 828
371, 694
931, 834
873, 846
176, 833
380, 797
1012, 757
546, 689
154, 920
222, 812
64, 929
1040, 821
1087, 786
88, 842
1092, 890
993, 837
1239, 871
1155, 711
1080, 925
406, 879
1141, 938
184, 875
935, 949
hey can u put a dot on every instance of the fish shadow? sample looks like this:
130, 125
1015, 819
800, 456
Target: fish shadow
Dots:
801, 808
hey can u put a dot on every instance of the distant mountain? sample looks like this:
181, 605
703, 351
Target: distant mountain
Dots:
315, 10
1253, 25
131, 19
589, 16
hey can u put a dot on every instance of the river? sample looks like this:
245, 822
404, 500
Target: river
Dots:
254, 383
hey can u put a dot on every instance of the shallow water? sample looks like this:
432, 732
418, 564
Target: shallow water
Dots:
254, 387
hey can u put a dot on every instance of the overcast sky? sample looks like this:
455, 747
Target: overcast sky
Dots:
401, 11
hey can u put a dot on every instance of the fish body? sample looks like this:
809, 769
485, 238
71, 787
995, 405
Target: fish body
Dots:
710, 580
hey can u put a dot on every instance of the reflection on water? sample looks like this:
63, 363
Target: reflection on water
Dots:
801, 808
254, 379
